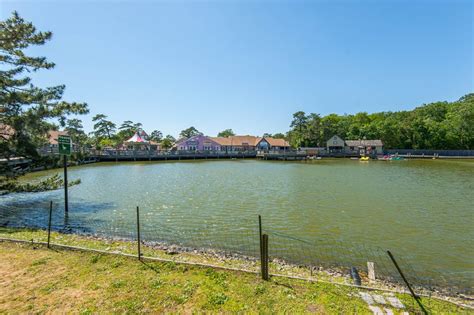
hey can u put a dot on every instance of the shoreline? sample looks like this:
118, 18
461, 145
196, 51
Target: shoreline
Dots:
215, 258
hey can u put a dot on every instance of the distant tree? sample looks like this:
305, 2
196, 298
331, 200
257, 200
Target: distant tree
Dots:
313, 130
75, 129
330, 126
226, 133
167, 142
127, 124
459, 123
278, 136
156, 136
130, 126
103, 128
298, 131
26, 109
190, 132
127, 130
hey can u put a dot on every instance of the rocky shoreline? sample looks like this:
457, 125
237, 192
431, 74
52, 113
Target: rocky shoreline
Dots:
278, 266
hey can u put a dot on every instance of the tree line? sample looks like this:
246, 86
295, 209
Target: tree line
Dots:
437, 126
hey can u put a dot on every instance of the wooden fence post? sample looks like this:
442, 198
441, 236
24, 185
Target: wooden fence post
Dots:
371, 271
138, 234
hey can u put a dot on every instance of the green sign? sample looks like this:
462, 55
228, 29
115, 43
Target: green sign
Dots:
64, 145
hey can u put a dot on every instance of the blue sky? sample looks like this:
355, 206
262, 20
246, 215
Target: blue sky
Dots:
250, 65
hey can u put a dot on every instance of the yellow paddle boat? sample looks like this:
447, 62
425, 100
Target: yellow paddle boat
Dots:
364, 158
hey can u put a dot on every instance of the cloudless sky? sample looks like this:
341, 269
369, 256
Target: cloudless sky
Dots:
249, 65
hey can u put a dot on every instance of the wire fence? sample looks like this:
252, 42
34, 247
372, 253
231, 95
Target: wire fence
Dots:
238, 247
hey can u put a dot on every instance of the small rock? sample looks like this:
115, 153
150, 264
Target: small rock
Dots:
366, 297
395, 302
379, 299
172, 250
376, 310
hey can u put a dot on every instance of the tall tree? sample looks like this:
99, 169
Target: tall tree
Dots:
278, 135
156, 136
103, 128
27, 109
313, 130
189, 132
168, 142
298, 131
226, 133
75, 129
128, 129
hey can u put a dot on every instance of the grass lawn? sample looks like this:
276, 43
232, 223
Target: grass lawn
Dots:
36, 279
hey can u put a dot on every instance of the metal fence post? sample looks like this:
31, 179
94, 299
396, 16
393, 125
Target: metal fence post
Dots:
138, 234
49, 221
417, 299
265, 257
260, 241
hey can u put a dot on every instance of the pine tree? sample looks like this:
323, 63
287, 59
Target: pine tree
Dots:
26, 110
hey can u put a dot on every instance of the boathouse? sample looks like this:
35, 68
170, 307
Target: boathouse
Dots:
360, 147
335, 144
365, 146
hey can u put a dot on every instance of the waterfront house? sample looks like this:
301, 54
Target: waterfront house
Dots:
197, 143
362, 147
236, 143
365, 146
335, 144
251, 143
272, 144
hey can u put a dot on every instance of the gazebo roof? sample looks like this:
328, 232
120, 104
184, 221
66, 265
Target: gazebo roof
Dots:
137, 138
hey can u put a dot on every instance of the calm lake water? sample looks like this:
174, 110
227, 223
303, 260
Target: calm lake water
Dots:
421, 210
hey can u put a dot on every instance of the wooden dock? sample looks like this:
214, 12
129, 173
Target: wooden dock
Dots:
121, 155
282, 156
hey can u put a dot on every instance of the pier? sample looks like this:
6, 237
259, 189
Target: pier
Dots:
139, 155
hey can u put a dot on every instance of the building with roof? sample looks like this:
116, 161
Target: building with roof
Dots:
52, 145
140, 141
197, 143
236, 143
53, 136
272, 144
365, 146
231, 144
251, 143
335, 144
362, 147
